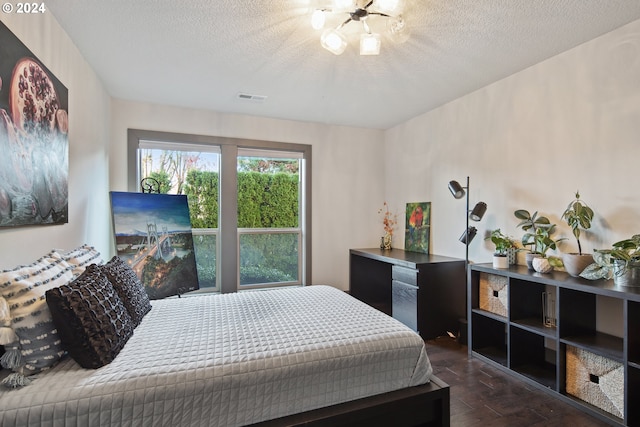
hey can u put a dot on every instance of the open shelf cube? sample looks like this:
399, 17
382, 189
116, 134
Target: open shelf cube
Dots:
633, 326
578, 325
633, 395
533, 305
531, 358
490, 338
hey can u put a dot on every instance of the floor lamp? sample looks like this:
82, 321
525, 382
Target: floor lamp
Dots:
467, 236
475, 214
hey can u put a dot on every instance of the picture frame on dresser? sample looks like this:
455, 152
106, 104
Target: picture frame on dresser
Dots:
417, 227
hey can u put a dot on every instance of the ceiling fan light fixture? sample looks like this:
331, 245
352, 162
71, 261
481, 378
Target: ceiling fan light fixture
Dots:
388, 7
397, 28
370, 44
348, 12
344, 5
334, 41
318, 19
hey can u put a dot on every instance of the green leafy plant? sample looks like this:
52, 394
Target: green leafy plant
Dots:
578, 216
538, 231
501, 241
622, 256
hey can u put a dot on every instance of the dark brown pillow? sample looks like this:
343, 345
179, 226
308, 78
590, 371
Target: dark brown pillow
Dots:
91, 320
129, 288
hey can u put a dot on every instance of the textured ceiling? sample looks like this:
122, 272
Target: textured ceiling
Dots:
202, 53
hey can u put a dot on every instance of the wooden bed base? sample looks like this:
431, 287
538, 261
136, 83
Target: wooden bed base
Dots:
423, 405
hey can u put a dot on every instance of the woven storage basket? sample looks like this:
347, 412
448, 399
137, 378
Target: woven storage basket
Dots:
494, 295
596, 380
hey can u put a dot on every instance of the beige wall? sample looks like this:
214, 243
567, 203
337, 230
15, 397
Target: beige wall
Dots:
347, 166
88, 147
529, 142
348, 177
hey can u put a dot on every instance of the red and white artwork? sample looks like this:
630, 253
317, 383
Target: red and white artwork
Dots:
34, 145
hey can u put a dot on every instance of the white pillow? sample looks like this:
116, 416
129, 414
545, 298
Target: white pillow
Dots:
24, 288
79, 258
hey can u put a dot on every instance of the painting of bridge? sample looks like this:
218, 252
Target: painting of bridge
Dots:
153, 236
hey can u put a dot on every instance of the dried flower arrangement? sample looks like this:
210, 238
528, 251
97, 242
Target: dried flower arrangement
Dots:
389, 220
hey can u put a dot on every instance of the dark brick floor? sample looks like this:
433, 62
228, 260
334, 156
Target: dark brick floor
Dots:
482, 395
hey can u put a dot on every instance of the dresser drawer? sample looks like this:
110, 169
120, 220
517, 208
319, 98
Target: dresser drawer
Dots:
405, 304
404, 274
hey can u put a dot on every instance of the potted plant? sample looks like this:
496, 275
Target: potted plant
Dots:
502, 243
621, 262
538, 232
578, 216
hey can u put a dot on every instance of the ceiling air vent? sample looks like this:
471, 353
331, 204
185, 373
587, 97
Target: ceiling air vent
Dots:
251, 98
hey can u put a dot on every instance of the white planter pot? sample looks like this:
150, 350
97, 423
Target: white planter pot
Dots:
541, 265
500, 261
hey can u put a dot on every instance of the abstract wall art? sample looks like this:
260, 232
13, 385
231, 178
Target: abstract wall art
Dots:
34, 145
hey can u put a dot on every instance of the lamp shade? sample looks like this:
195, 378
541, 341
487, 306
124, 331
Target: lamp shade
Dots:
397, 29
318, 19
343, 5
388, 7
468, 235
456, 189
478, 211
333, 41
370, 44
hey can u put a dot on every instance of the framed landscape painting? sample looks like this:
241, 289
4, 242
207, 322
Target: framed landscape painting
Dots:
153, 236
418, 218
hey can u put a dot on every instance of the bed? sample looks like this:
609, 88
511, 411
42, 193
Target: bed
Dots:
296, 356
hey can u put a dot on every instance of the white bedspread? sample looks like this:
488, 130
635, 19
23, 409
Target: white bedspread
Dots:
233, 359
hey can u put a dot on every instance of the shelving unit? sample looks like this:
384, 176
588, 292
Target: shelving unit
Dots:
565, 353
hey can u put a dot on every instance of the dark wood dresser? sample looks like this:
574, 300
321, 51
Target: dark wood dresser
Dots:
425, 292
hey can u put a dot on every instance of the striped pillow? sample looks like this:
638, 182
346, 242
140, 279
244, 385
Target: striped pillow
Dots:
24, 290
79, 258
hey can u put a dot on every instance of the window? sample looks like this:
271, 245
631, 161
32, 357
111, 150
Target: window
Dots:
249, 202
192, 170
269, 218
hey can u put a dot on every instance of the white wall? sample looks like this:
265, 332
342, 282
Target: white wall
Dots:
348, 174
347, 166
529, 142
88, 142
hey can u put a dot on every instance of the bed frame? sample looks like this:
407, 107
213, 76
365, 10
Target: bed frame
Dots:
425, 405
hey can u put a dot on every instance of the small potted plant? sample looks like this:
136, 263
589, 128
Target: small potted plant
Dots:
621, 262
502, 243
578, 216
538, 232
